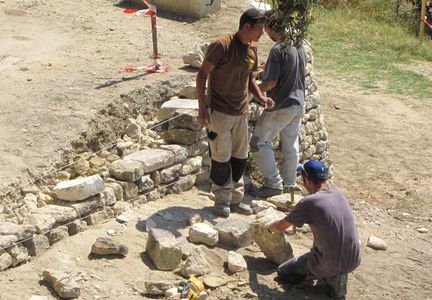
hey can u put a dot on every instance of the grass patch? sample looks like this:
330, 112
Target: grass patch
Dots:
368, 52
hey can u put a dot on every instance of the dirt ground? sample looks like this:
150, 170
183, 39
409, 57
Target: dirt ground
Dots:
59, 64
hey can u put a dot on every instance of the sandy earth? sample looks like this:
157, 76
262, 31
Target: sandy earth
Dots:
54, 55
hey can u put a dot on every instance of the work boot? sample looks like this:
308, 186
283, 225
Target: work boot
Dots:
338, 286
264, 192
241, 208
222, 211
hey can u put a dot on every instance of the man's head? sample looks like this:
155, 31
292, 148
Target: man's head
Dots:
251, 24
314, 173
273, 27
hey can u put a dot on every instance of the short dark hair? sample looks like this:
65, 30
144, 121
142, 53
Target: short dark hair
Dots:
252, 16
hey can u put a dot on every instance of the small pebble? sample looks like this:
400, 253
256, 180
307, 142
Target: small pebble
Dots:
422, 230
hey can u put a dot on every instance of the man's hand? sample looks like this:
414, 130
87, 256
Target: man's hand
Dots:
267, 102
203, 117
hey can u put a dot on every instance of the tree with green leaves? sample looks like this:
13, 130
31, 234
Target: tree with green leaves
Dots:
292, 18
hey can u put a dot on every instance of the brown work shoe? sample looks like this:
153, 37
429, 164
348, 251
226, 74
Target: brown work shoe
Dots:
241, 208
264, 192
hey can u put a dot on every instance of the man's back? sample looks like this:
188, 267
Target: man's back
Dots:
336, 247
288, 68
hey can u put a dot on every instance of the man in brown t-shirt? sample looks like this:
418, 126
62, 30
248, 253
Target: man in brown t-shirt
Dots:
229, 66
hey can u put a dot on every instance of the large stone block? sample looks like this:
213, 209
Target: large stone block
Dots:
204, 234
63, 283
152, 159
275, 246
192, 165
5, 261
61, 214
182, 136
181, 152
108, 246
188, 120
234, 233
163, 249
79, 189
38, 244
42, 222
180, 105
127, 170
20, 231
7, 241
170, 174
196, 263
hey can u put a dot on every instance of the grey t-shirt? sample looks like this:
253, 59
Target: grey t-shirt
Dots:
336, 247
288, 68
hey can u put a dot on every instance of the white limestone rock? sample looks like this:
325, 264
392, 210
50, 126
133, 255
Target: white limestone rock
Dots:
376, 243
63, 283
79, 189
126, 170
202, 233
236, 262
152, 159
163, 249
195, 264
180, 105
191, 165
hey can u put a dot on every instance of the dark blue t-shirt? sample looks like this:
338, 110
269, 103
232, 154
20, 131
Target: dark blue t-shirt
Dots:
336, 247
288, 68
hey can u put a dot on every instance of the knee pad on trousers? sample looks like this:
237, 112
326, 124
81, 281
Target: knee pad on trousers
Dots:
238, 167
220, 172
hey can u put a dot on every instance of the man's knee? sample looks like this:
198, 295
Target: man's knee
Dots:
220, 173
238, 167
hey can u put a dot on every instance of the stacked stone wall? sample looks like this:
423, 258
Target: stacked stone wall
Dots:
153, 158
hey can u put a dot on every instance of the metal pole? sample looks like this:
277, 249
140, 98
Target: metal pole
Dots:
422, 17
154, 38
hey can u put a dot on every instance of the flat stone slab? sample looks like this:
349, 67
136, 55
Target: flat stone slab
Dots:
79, 189
20, 231
61, 214
152, 159
63, 283
234, 233
126, 170
180, 105
108, 246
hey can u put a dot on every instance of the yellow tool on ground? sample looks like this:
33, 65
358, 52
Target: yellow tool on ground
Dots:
193, 289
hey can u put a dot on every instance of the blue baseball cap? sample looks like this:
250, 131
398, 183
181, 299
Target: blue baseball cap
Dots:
313, 169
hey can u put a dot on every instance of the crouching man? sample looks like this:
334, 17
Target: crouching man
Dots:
336, 247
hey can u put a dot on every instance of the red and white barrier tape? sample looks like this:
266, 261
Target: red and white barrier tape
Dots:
427, 23
152, 10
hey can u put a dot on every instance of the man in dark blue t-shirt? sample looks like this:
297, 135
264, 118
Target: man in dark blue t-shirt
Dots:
336, 246
284, 82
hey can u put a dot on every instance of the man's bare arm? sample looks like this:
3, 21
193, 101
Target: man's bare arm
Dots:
255, 90
267, 85
279, 226
201, 79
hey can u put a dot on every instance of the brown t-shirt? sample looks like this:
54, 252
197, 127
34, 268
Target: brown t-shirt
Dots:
229, 80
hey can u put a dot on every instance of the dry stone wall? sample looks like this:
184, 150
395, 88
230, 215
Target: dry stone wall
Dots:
153, 158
